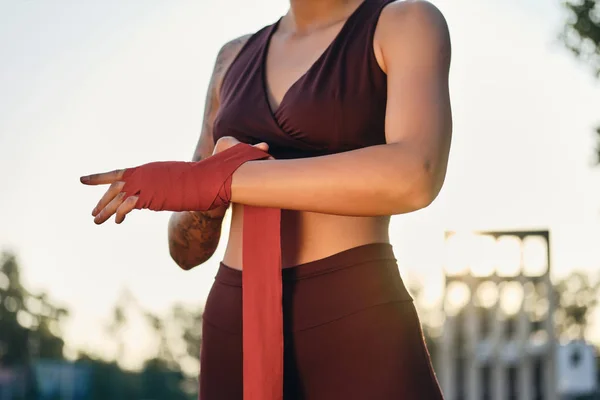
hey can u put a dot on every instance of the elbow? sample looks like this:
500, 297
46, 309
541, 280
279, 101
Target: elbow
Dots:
183, 262
183, 257
184, 249
416, 196
424, 197
416, 199
188, 258
184, 266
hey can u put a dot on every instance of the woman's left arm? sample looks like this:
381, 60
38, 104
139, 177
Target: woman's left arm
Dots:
412, 44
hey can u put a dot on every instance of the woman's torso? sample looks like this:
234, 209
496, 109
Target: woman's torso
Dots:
313, 95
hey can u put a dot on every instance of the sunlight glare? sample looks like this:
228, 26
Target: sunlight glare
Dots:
458, 295
508, 256
535, 258
487, 294
458, 251
482, 252
511, 297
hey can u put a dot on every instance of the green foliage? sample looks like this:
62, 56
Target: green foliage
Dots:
156, 381
582, 31
190, 323
29, 323
578, 296
30, 330
582, 36
179, 331
160, 381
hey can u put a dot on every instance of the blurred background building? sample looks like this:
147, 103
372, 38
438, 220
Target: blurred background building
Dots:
499, 338
88, 313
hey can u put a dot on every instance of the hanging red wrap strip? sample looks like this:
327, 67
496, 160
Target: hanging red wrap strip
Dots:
205, 185
262, 312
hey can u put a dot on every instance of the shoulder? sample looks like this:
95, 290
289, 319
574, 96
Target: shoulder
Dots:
413, 25
406, 15
225, 57
228, 52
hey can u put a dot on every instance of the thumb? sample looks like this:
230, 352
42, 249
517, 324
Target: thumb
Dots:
263, 146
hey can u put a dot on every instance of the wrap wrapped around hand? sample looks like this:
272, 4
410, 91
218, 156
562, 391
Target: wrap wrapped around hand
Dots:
188, 186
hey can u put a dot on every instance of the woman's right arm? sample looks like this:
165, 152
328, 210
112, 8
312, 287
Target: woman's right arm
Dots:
194, 236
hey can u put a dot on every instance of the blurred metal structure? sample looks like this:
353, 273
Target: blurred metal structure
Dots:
577, 372
498, 341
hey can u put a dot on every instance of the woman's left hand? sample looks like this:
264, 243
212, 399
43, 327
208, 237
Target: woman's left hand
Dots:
112, 201
226, 142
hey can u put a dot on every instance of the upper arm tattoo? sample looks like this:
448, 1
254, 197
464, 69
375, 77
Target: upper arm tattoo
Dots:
228, 52
194, 236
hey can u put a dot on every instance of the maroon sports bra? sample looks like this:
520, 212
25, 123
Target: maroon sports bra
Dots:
337, 105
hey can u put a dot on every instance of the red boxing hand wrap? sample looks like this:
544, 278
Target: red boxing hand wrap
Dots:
204, 185
188, 186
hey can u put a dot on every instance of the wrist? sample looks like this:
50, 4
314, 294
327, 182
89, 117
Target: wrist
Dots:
242, 181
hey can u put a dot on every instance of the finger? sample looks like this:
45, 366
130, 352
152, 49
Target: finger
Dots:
103, 178
125, 208
263, 146
110, 209
224, 143
110, 194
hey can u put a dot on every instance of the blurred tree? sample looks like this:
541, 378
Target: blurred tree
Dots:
158, 380
577, 299
162, 376
117, 326
578, 296
178, 351
189, 320
109, 381
162, 381
582, 36
582, 31
30, 329
164, 354
14, 346
29, 323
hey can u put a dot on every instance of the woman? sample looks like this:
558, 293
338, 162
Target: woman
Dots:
351, 100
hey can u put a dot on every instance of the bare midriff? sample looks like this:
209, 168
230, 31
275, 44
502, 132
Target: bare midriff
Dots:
308, 236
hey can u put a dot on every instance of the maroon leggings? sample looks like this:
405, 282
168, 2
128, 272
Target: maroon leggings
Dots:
351, 332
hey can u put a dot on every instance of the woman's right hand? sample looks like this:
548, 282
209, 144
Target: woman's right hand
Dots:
222, 144
229, 141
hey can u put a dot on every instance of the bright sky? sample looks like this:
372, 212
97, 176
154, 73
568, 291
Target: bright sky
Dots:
87, 86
